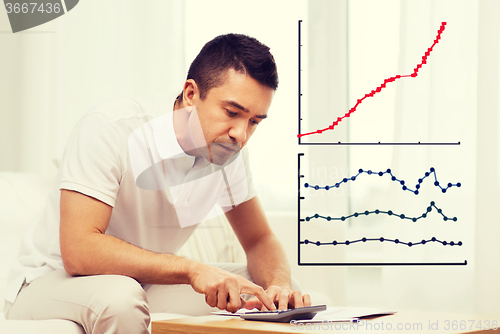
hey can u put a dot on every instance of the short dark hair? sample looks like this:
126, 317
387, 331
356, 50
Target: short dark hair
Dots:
232, 51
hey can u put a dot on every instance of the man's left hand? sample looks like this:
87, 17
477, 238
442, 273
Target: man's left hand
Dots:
283, 297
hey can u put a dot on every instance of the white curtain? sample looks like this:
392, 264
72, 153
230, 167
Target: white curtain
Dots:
440, 105
324, 89
458, 101
54, 73
487, 161
454, 98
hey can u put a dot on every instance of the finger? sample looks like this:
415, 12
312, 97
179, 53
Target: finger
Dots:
242, 303
257, 291
283, 300
273, 292
267, 302
253, 303
297, 299
211, 298
222, 297
234, 301
307, 300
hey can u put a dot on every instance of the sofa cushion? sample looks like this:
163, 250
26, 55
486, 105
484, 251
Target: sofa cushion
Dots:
22, 196
59, 326
39, 327
213, 241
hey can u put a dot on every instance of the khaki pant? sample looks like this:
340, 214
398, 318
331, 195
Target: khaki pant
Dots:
107, 303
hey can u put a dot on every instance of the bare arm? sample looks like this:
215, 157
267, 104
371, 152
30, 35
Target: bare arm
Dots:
87, 250
266, 258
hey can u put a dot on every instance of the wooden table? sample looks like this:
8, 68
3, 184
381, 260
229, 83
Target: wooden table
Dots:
404, 321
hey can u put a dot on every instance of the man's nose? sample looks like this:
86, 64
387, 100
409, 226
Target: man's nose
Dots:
238, 130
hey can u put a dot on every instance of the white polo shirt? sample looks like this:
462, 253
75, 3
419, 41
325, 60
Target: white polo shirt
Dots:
125, 154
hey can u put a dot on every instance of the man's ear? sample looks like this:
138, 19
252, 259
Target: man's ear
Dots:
190, 92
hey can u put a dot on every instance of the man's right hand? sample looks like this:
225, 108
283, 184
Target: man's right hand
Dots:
222, 289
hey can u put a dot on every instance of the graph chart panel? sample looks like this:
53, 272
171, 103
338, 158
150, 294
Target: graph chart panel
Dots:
364, 115
395, 216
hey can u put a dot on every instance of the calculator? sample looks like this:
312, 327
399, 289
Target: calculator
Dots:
300, 313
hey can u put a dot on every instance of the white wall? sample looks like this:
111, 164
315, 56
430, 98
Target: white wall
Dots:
56, 72
454, 98
274, 23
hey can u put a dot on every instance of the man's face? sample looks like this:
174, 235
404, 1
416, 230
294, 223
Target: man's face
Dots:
230, 114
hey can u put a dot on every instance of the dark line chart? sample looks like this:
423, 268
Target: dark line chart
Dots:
389, 213
360, 100
382, 239
303, 223
393, 178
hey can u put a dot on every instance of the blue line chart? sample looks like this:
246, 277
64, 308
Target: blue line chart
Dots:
381, 239
432, 171
317, 247
389, 213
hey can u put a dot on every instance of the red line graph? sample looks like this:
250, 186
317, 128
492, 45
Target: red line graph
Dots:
382, 86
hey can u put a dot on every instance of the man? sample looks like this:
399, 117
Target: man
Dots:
134, 177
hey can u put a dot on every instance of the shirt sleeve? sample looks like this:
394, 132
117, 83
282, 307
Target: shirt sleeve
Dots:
91, 163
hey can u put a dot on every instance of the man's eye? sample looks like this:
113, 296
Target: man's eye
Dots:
254, 122
231, 114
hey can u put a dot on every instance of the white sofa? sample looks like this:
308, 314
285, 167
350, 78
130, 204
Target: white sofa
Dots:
23, 195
